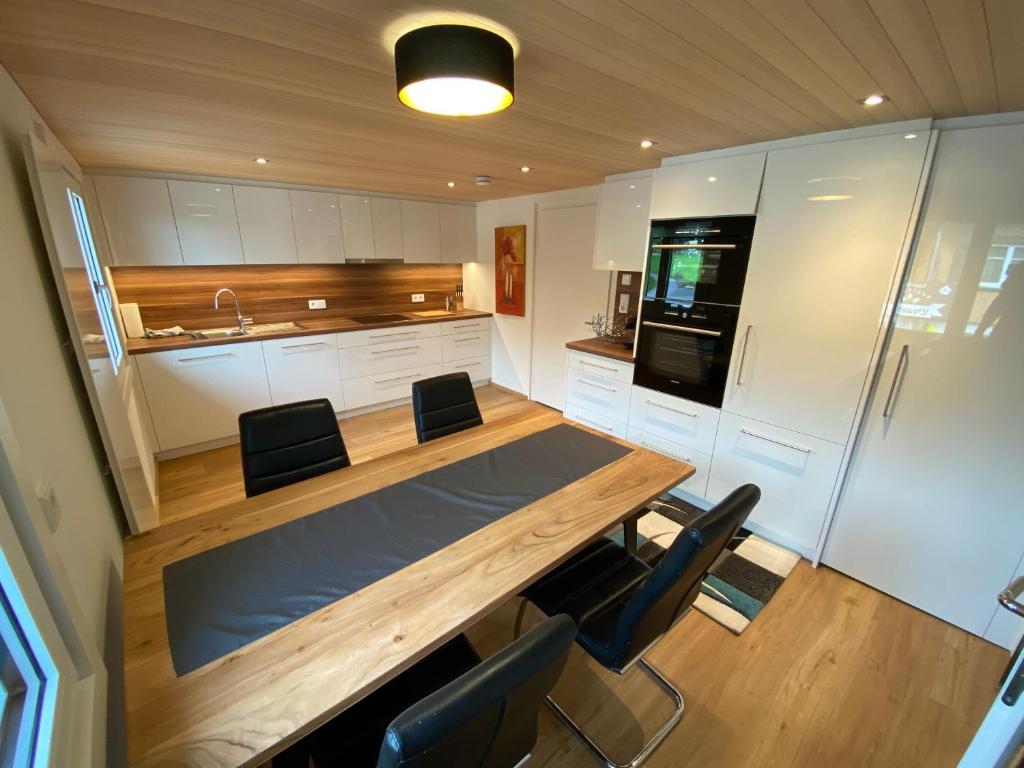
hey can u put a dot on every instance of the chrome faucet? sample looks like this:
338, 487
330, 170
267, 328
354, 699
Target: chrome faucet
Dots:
242, 321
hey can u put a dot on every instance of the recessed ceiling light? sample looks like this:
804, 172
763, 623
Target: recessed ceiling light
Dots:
828, 198
712, 179
261, 161
874, 99
910, 136
632, 186
647, 144
525, 169
451, 184
455, 70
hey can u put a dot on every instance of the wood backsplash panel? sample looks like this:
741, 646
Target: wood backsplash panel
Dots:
183, 296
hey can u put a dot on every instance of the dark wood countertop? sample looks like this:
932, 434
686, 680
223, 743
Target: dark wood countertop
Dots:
596, 346
309, 328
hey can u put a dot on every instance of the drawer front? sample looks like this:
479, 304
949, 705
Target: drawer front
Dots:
304, 368
795, 472
453, 327
348, 339
461, 346
697, 483
374, 359
672, 418
601, 366
595, 421
606, 397
384, 387
478, 368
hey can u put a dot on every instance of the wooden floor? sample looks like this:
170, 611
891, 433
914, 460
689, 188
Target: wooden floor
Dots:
831, 673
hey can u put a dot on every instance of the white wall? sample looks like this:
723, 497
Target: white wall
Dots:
511, 337
40, 385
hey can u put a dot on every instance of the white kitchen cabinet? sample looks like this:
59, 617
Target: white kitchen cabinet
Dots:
386, 214
421, 232
385, 387
617, 370
623, 218
374, 359
721, 187
139, 221
207, 222
265, 222
697, 483
598, 395
459, 346
598, 421
796, 474
387, 335
478, 368
196, 395
458, 233
672, 418
474, 325
356, 226
304, 368
317, 222
829, 231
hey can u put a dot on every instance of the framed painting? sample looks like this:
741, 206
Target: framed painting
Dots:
510, 270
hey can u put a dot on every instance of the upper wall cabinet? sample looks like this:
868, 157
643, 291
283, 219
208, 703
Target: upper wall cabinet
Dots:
623, 216
138, 220
458, 233
207, 222
722, 187
832, 221
356, 226
387, 228
317, 221
265, 222
421, 232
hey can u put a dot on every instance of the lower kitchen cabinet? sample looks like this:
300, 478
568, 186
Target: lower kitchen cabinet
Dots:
478, 368
460, 346
795, 472
605, 397
697, 483
304, 368
597, 421
195, 395
384, 387
679, 421
389, 357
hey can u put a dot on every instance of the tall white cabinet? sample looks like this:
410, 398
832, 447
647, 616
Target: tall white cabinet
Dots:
931, 511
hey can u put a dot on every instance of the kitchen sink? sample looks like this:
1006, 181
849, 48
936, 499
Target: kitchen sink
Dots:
250, 330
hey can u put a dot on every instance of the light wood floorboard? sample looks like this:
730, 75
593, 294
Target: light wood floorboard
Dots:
832, 673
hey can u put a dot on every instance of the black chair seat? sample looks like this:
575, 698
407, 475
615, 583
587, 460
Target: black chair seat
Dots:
592, 588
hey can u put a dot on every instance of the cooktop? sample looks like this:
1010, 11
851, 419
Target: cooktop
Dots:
373, 319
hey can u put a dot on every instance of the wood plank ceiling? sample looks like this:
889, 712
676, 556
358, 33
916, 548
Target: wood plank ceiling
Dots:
205, 86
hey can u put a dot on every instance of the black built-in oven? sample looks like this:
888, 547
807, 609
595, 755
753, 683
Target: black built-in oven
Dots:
692, 291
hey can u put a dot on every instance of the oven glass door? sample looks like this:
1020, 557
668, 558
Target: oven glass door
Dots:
687, 362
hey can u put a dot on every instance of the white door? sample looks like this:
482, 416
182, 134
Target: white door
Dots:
829, 232
567, 292
931, 510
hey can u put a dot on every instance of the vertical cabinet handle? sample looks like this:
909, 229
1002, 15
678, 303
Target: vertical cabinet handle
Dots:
743, 357
890, 400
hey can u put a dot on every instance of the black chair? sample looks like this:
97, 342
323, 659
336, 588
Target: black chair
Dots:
623, 606
284, 444
443, 405
448, 710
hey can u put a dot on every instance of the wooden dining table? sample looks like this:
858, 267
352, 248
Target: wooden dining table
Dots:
243, 708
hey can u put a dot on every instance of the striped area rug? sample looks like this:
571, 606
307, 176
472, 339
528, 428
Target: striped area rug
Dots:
742, 580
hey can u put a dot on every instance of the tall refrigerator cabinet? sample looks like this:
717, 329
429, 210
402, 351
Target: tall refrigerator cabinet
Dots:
932, 511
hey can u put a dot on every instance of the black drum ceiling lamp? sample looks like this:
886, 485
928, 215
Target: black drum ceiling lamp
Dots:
455, 70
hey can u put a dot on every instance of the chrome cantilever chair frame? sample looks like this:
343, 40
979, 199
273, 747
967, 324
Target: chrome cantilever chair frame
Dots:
663, 682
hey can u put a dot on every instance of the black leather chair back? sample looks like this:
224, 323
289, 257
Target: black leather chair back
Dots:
675, 582
284, 444
443, 405
487, 718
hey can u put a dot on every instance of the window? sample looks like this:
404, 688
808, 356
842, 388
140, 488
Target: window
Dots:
1000, 258
97, 282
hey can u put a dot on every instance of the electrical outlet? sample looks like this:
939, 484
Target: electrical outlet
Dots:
418, 298
318, 303
623, 303
627, 279
48, 501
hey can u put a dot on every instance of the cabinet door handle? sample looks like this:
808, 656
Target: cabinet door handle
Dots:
1008, 597
697, 246
682, 328
645, 444
673, 410
305, 346
204, 357
743, 356
783, 443
599, 367
398, 378
391, 335
394, 349
470, 325
467, 338
890, 400
585, 420
597, 386
469, 365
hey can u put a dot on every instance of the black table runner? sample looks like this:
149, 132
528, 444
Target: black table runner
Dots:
224, 598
